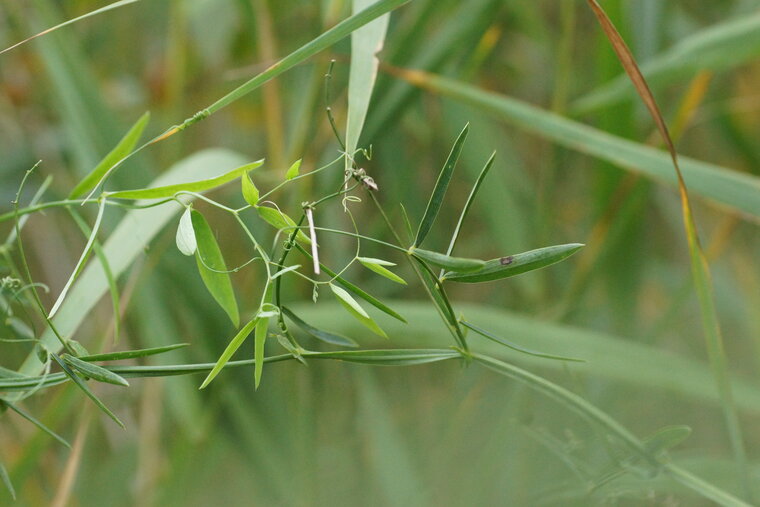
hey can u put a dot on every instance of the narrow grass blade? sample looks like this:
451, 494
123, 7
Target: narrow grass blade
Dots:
122, 149
459, 264
109, 7
82, 260
470, 199
699, 266
441, 185
309, 49
132, 354
378, 266
212, 267
7, 481
357, 291
738, 191
325, 336
94, 371
356, 310
516, 347
194, 186
366, 42
113, 288
512, 265
719, 47
281, 221
29, 417
83, 386
234, 344
185, 238
572, 401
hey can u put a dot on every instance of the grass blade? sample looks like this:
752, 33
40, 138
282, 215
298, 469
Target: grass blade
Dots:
512, 265
325, 336
390, 357
738, 191
109, 7
82, 260
441, 185
212, 267
194, 186
7, 481
122, 149
366, 42
699, 266
719, 47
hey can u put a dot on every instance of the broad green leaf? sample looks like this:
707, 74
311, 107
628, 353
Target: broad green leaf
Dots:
281, 221
7, 481
81, 262
125, 244
101, 10
186, 235
122, 149
260, 338
512, 265
29, 417
739, 191
356, 310
325, 336
229, 351
378, 266
441, 185
212, 267
459, 264
250, 192
132, 354
516, 347
366, 42
470, 199
191, 186
293, 170
94, 371
718, 47
86, 390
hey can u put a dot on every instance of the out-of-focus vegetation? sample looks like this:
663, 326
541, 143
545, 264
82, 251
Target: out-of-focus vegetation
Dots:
441, 434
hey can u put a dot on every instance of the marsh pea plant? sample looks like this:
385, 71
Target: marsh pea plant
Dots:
269, 318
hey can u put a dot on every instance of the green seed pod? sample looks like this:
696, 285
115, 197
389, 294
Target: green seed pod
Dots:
458, 264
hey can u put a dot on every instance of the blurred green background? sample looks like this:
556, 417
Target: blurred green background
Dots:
442, 434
